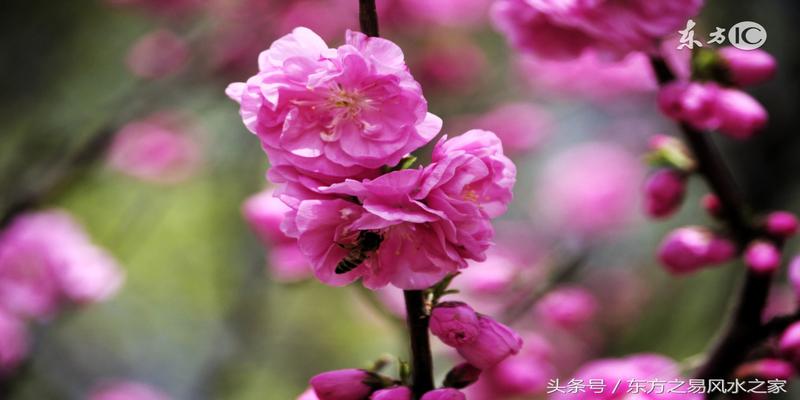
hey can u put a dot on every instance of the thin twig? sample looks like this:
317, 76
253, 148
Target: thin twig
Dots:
421, 359
368, 17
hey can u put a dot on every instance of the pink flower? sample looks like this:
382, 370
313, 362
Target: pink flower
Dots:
334, 113
765, 368
748, 67
762, 256
589, 76
521, 127
638, 367
436, 217
344, 384
46, 258
590, 189
567, 307
688, 249
455, 323
395, 393
156, 149
789, 343
444, 394
13, 342
170, 8
564, 30
126, 390
521, 375
663, 192
781, 224
157, 54
706, 106
308, 395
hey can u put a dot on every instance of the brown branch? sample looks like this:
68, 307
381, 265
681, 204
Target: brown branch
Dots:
368, 17
743, 330
421, 358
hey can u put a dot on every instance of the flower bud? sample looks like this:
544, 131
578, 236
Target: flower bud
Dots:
748, 67
767, 368
740, 115
762, 256
494, 343
461, 376
444, 394
691, 102
343, 384
663, 192
521, 375
789, 344
395, 393
690, 248
782, 224
794, 275
710, 202
455, 323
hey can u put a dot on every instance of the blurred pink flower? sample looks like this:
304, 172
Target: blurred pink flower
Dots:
781, 301
453, 65
156, 149
664, 191
13, 342
687, 249
589, 189
339, 15
765, 368
566, 29
762, 256
782, 224
157, 54
395, 393
447, 12
589, 76
789, 343
240, 30
521, 127
126, 390
625, 370
568, 307
46, 258
308, 395
169, 8
333, 113
748, 67
264, 213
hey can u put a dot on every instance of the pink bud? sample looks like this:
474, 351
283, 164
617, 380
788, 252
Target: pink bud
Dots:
767, 368
343, 384
794, 275
157, 54
660, 141
494, 343
13, 342
308, 395
567, 307
711, 204
455, 323
748, 67
740, 114
762, 256
690, 102
720, 250
462, 375
444, 394
688, 249
395, 393
782, 224
663, 192
789, 343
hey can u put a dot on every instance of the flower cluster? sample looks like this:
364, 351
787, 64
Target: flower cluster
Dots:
333, 122
46, 263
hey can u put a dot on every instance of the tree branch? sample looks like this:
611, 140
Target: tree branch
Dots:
368, 17
421, 359
744, 329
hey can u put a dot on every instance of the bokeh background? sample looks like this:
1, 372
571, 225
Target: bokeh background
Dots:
201, 315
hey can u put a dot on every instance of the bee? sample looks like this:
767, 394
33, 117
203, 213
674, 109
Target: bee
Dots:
366, 244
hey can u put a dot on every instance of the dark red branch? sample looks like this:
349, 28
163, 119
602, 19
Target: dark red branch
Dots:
368, 17
421, 359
